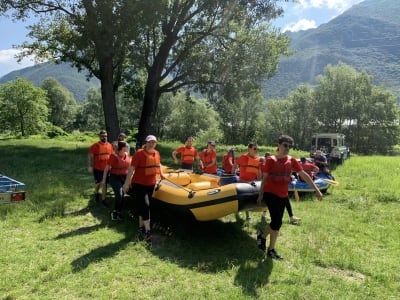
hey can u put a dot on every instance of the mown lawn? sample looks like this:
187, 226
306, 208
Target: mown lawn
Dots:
59, 244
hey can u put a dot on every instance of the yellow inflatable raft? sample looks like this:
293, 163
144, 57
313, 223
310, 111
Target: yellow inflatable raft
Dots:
201, 196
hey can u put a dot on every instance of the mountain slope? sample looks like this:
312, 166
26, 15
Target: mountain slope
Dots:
366, 37
76, 82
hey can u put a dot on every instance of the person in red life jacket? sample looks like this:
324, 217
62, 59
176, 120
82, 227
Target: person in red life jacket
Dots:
249, 167
208, 158
98, 156
141, 180
228, 160
188, 154
309, 168
117, 167
276, 175
292, 218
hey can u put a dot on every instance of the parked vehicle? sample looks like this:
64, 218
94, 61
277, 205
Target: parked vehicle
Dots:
333, 145
11, 190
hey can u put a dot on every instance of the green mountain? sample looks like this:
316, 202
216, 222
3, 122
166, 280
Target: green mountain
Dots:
366, 37
76, 82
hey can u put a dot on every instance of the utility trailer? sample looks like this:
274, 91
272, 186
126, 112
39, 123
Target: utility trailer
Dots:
11, 191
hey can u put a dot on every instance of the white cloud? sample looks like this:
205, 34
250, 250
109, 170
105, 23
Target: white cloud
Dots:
9, 63
303, 24
338, 5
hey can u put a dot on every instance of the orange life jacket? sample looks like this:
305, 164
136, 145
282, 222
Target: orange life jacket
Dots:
281, 171
252, 166
188, 155
153, 163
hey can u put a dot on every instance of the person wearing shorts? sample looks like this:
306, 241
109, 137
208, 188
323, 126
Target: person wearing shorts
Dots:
276, 176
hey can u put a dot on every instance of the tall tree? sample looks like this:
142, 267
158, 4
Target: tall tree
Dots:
303, 120
90, 112
24, 107
94, 34
62, 104
183, 41
200, 44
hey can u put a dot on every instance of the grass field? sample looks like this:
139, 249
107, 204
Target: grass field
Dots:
59, 244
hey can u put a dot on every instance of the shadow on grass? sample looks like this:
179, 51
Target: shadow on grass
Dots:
207, 247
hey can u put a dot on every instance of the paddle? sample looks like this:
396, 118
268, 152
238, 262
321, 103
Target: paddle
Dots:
330, 181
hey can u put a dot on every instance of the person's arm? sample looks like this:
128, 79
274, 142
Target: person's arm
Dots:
199, 162
90, 162
161, 172
311, 183
174, 157
128, 179
261, 192
105, 173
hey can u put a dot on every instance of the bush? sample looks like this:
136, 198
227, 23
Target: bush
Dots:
55, 131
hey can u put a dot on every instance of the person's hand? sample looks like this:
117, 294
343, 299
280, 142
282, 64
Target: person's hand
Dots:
319, 195
125, 187
90, 169
176, 161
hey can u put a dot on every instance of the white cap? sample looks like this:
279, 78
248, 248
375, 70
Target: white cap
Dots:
150, 138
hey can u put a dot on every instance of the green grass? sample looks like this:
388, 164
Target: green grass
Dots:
59, 245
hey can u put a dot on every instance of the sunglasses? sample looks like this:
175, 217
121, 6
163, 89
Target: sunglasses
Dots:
103, 136
255, 149
286, 145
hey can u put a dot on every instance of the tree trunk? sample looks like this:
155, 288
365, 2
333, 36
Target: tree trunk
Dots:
108, 97
150, 102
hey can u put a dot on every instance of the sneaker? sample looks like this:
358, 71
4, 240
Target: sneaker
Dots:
273, 254
104, 203
261, 242
149, 236
294, 220
115, 216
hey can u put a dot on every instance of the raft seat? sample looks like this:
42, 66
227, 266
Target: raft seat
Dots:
202, 185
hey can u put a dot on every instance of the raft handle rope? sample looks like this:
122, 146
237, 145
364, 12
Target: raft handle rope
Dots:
190, 195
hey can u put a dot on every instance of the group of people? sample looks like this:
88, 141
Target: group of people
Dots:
134, 175
137, 176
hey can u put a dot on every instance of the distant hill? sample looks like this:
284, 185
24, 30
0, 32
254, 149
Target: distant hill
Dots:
366, 37
76, 82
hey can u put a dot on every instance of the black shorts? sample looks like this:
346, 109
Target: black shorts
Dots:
98, 176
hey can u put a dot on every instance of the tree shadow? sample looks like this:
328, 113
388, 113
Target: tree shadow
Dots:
207, 247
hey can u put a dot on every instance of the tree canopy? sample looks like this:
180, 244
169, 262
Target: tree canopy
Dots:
192, 43
23, 107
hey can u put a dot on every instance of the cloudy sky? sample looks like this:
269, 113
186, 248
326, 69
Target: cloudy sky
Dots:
303, 15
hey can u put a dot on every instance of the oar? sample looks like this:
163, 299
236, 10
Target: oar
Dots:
330, 181
191, 193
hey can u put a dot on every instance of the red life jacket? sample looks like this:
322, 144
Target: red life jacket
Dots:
281, 171
225, 164
122, 164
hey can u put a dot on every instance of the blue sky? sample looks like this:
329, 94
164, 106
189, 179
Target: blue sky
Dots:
303, 15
